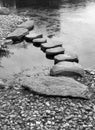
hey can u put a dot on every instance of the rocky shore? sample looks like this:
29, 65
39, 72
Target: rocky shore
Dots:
22, 109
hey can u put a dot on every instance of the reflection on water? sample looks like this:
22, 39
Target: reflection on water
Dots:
71, 21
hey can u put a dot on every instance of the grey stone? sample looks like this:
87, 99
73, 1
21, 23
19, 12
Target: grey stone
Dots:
8, 42
55, 86
55, 51
18, 34
67, 69
40, 40
51, 44
66, 57
28, 25
4, 11
33, 35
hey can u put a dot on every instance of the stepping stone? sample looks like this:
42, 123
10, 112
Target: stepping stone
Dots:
39, 41
66, 57
8, 42
28, 25
67, 69
55, 51
33, 35
53, 44
18, 34
55, 86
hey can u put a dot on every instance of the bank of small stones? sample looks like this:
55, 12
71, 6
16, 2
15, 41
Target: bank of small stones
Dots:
65, 64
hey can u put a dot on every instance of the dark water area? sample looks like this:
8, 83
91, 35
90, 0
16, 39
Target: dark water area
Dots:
70, 21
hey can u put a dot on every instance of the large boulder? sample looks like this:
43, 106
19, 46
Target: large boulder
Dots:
18, 34
51, 44
67, 69
55, 86
33, 35
66, 57
28, 25
55, 51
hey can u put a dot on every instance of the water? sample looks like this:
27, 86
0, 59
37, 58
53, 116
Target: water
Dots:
70, 21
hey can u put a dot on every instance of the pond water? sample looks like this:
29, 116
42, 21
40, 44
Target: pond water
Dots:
70, 21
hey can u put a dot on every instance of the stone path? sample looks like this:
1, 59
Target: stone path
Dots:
65, 64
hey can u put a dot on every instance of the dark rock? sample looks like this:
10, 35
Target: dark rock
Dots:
28, 25
51, 44
55, 86
55, 51
67, 69
18, 34
66, 57
33, 35
4, 11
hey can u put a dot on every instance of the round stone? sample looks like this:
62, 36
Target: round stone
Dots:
67, 69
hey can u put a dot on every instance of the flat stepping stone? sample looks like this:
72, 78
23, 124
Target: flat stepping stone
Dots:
66, 57
52, 44
39, 41
55, 86
18, 34
33, 35
55, 51
67, 69
28, 25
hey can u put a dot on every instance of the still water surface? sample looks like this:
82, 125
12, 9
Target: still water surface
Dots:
70, 21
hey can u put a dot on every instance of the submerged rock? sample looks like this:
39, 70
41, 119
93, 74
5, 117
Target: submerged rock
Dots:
55, 86
33, 35
51, 44
18, 34
66, 57
67, 69
55, 51
28, 25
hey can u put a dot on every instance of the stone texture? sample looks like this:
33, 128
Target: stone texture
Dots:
51, 44
66, 57
39, 41
33, 35
4, 11
55, 51
28, 25
8, 42
55, 86
18, 34
67, 69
